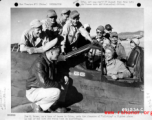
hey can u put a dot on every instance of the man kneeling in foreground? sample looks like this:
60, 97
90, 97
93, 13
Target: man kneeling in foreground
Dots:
42, 87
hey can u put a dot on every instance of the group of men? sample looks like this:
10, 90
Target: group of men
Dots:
53, 37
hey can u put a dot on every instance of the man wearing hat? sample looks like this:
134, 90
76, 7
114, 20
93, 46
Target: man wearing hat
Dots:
100, 36
120, 50
71, 31
32, 38
101, 40
34, 41
50, 25
64, 17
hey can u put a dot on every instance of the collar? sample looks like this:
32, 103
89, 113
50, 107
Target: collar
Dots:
46, 59
113, 61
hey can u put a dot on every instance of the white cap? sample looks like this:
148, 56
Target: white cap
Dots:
136, 41
86, 26
35, 23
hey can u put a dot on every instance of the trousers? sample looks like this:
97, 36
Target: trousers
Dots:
44, 97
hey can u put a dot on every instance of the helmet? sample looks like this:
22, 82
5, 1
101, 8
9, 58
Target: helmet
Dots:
108, 27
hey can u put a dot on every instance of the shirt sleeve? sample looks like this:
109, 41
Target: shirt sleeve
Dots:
24, 39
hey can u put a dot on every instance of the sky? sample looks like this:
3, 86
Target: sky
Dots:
121, 19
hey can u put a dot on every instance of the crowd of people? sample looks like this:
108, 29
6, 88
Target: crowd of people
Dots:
53, 37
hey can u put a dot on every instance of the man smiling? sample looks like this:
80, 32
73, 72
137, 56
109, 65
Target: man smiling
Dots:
71, 31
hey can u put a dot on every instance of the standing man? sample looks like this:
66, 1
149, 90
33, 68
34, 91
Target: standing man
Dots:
120, 50
71, 31
64, 17
42, 87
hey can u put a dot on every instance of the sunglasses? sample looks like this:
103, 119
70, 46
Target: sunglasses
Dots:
100, 32
53, 17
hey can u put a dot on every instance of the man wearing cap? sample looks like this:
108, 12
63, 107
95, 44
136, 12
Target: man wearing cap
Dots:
120, 50
64, 17
71, 31
100, 36
50, 25
108, 30
33, 40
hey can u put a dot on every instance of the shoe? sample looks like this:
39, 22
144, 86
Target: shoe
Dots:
36, 108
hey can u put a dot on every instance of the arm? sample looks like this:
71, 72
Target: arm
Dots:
43, 78
46, 46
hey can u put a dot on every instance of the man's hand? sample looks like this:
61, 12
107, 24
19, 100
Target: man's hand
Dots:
66, 79
114, 77
30, 50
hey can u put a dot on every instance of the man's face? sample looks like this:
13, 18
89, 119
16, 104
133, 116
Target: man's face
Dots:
37, 31
65, 17
99, 33
53, 19
114, 40
108, 55
55, 54
75, 20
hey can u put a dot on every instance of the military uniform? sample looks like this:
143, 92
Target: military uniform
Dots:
29, 40
72, 34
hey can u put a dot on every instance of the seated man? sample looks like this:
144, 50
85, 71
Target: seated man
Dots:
114, 67
120, 50
42, 87
32, 41
71, 31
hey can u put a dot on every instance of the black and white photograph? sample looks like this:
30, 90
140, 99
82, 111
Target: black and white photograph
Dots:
77, 60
